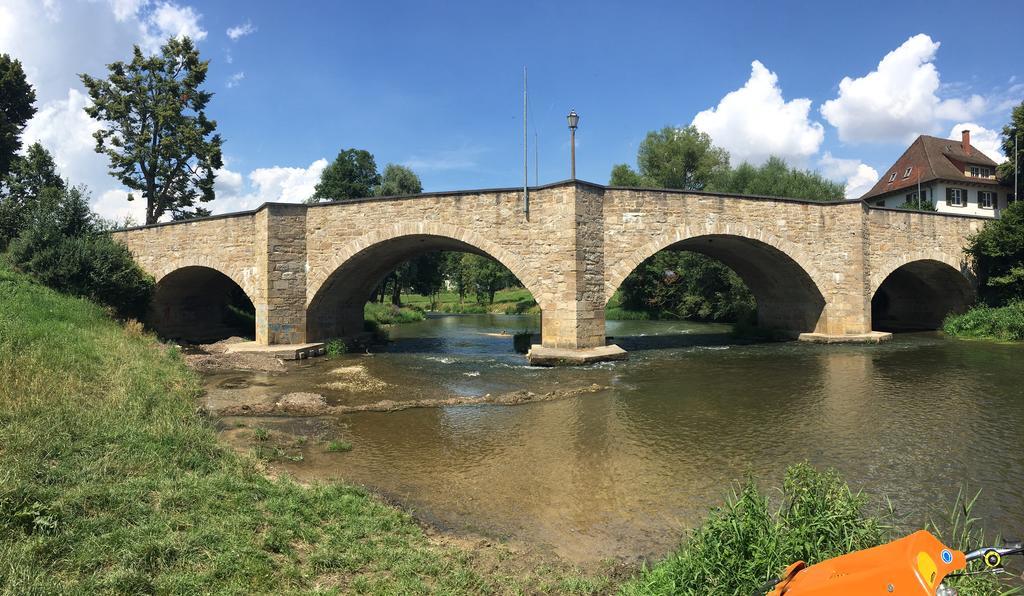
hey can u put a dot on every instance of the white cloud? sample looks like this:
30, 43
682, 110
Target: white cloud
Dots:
63, 128
114, 205
985, 140
235, 79
274, 184
172, 20
857, 175
239, 31
755, 122
125, 9
897, 101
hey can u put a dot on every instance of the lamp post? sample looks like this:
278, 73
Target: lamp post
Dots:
574, 121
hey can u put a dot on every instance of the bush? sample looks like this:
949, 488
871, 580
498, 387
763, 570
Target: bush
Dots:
336, 347
747, 542
63, 247
1005, 323
998, 251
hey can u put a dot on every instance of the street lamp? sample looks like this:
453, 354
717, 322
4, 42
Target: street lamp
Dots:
574, 121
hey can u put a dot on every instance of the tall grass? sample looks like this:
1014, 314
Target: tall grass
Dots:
1004, 323
749, 541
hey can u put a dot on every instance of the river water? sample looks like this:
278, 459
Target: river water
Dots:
623, 471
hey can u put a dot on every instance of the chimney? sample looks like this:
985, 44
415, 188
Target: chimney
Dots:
966, 142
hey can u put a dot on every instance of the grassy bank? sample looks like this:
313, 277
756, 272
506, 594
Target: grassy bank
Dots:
513, 301
389, 314
110, 482
985, 322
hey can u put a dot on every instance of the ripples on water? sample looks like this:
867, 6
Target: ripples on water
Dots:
623, 472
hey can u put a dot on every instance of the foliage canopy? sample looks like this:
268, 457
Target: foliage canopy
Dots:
156, 133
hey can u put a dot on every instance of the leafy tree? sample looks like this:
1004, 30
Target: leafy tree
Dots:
1014, 127
998, 251
682, 158
486, 276
398, 181
686, 285
156, 135
183, 214
775, 178
352, 175
623, 175
29, 177
17, 99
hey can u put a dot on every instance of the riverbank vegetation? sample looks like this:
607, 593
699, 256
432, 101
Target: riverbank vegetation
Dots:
815, 516
998, 254
1005, 323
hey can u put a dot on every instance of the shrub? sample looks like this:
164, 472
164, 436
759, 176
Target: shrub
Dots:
1005, 323
336, 347
62, 247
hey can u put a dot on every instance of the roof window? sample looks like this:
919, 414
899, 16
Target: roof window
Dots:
893, 177
906, 174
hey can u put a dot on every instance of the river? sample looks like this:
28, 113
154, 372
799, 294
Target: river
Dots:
621, 472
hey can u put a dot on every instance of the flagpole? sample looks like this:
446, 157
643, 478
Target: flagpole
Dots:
526, 155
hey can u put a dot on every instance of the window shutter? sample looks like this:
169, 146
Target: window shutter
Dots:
949, 196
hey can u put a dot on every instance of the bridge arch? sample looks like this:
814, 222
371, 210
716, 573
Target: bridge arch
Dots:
783, 280
337, 292
917, 290
193, 302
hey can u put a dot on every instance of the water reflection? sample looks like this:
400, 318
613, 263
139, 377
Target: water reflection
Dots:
623, 472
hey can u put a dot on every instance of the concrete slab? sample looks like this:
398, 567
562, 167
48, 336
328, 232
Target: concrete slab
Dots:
875, 337
283, 351
541, 356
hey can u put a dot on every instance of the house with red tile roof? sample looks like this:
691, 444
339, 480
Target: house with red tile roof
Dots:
955, 177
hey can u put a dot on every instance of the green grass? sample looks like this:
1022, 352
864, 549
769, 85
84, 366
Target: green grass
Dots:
1004, 323
748, 541
512, 301
110, 482
389, 314
339, 446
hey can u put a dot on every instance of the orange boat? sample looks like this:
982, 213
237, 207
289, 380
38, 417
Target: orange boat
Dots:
916, 564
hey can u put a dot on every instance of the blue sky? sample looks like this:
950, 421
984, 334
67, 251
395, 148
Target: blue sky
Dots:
437, 86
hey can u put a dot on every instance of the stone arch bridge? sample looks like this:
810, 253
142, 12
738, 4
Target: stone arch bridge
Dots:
826, 271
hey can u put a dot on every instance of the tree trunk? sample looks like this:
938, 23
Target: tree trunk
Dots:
396, 292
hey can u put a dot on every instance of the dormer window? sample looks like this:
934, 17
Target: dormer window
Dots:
893, 177
980, 172
906, 174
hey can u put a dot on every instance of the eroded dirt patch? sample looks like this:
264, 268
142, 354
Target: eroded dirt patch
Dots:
215, 357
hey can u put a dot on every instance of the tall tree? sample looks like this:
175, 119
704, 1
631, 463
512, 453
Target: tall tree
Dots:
29, 177
775, 178
17, 99
682, 158
398, 181
156, 133
1013, 128
352, 175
